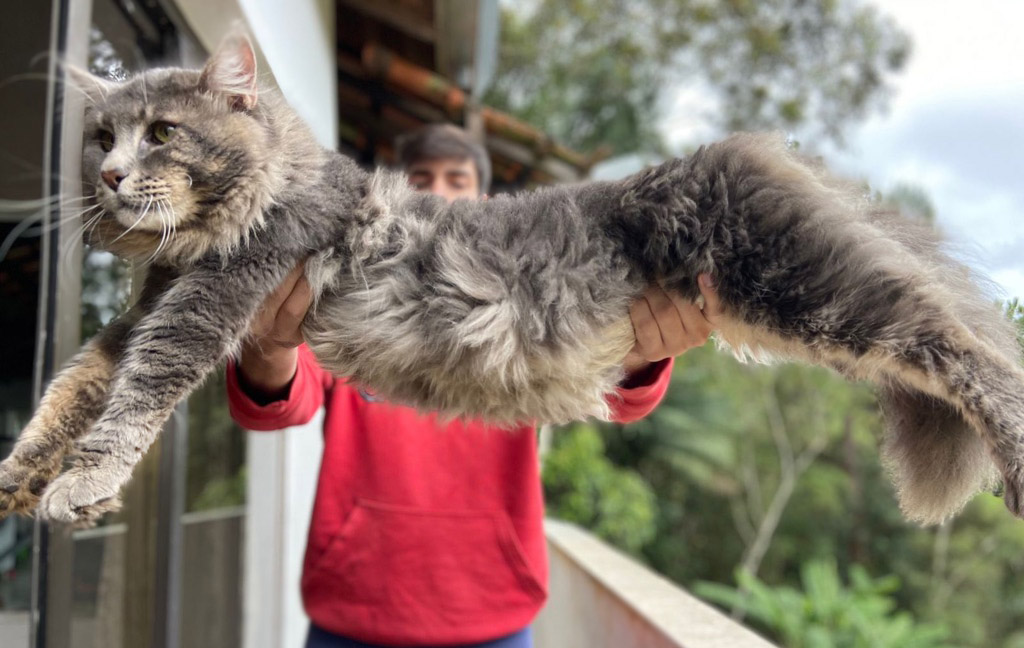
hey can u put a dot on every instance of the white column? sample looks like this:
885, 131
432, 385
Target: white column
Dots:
282, 469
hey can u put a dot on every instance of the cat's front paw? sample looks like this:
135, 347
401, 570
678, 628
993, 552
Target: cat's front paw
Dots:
81, 496
23, 477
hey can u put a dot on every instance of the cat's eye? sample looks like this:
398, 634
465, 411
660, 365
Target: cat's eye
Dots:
106, 140
162, 131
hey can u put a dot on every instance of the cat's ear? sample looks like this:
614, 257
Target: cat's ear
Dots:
90, 85
231, 72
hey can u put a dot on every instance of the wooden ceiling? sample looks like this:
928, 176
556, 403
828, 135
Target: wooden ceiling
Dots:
404, 63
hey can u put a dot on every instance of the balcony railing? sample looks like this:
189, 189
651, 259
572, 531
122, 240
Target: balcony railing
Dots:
600, 598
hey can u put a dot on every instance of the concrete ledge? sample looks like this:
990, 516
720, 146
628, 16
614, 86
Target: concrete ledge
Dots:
14, 629
600, 598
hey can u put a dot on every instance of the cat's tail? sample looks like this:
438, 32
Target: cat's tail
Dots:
936, 459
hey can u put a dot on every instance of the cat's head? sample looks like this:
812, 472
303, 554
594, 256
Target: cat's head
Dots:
182, 162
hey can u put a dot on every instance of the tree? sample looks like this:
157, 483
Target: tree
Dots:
912, 201
596, 72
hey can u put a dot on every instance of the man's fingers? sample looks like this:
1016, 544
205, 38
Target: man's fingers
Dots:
697, 327
273, 302
292, 312
265, 321
645, 328
668, 317
712, 303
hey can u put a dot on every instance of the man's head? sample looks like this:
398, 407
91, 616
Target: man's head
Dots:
444, 159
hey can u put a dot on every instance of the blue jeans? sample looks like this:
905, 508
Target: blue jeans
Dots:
319, 638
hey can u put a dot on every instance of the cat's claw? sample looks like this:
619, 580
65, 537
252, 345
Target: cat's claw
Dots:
21, 484
80, 497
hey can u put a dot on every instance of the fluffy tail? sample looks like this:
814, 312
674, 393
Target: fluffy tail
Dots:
936, 459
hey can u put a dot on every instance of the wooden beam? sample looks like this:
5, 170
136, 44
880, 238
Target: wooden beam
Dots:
394, 15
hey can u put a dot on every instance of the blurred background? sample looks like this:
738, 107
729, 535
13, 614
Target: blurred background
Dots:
757, 489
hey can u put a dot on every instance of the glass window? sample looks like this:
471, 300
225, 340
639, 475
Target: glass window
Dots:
118, 586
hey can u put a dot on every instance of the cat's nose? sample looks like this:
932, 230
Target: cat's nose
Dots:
112, 177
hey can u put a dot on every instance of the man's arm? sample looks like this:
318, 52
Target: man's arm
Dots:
274, 384
269, 355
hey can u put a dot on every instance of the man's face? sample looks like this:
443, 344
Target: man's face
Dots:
448, 177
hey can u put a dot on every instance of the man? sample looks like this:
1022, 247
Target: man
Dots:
428, 532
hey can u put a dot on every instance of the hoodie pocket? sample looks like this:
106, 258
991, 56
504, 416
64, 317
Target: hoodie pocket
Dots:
426, 566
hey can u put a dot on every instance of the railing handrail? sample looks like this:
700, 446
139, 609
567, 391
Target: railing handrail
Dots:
679, 617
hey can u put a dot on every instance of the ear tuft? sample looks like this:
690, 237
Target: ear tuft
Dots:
92, 86
231, 72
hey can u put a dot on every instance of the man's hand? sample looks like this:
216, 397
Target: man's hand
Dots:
666, 325
277, 325
269, 357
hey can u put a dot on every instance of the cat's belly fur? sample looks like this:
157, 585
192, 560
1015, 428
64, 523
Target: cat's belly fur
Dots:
486, 381
441, 349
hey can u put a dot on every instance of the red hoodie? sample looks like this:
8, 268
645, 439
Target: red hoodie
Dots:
423, 532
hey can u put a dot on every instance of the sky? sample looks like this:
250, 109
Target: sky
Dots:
954, 127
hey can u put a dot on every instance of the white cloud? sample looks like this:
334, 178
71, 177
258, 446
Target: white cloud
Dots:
956, 128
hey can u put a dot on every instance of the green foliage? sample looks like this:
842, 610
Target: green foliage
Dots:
582, 486
1014, 310
825, 612
222, 492
216, 450
912, 201
596, 72
106, 287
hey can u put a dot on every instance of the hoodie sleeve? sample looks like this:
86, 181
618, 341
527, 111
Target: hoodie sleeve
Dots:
639, 399
305, 396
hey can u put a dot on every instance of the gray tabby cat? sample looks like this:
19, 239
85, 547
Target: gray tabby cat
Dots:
510, 309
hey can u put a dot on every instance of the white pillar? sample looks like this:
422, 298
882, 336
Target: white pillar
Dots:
296, 52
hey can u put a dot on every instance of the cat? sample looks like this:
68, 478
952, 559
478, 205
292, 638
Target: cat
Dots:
510, 309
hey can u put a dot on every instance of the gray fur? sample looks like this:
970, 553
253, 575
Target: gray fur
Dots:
516, 308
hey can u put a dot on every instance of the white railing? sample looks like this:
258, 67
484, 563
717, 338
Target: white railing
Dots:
601, 598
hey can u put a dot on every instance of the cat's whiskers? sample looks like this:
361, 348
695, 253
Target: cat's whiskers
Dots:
167, 224
93, 222
149, 201
166, 229
24, 228
163, 236
15, 206
43, 76
174, 218
70, 244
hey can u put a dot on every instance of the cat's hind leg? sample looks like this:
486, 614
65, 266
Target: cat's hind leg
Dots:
952, 396
987, 389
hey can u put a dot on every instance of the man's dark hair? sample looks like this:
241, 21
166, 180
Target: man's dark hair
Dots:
442, 142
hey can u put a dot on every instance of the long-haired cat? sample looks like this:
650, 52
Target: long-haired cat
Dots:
510, 309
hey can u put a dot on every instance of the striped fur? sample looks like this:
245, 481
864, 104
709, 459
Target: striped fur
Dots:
511, 309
